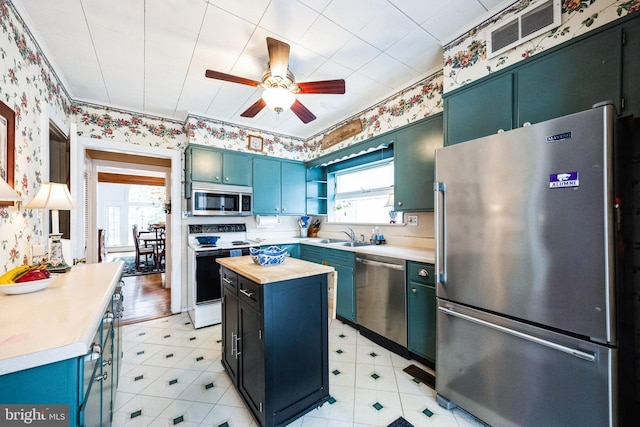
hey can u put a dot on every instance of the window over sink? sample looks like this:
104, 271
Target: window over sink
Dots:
364, 194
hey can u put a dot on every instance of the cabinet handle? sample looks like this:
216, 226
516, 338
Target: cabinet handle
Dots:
423, 273
107, 363
284, 209
233, 344
227, 281
414, 290
277, 209
226, 179
108, 317
249, 294
237, 352
102, 377
95, 351
399, 203
217, 178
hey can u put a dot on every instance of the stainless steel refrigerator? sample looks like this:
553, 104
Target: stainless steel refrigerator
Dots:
526, 234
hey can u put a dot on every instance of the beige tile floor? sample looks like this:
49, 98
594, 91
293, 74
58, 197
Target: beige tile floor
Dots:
172, 375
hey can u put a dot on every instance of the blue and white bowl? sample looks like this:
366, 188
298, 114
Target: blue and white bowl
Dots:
268, 256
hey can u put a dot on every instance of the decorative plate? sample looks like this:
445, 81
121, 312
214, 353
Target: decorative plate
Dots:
27, 287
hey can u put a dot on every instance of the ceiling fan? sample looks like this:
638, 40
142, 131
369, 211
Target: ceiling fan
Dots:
280, 86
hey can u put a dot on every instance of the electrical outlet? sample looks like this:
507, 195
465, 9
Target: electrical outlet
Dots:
186, 214
412, 220
38, 250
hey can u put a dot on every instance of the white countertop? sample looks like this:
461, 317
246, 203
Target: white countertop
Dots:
58, 322
400, 252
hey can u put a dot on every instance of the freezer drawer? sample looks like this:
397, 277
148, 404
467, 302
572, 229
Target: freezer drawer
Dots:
512, 374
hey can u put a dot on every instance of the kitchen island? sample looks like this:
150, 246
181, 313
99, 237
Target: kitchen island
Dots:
52, 344
275, 335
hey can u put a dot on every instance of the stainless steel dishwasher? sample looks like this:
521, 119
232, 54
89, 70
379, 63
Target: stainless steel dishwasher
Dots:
381, 302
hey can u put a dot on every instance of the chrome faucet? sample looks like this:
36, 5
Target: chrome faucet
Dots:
350, 233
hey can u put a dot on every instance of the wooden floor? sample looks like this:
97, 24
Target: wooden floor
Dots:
145, 298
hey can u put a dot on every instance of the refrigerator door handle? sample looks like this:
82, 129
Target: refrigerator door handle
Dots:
591, 357
441, 275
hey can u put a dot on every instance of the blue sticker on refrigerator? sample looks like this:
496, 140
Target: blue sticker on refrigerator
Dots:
564, 180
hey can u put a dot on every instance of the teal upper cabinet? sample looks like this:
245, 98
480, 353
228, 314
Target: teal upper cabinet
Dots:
598, 66
266, 186
278, 187
293, 188
480, 110
236, 169
414, 157
206, 164
571, 79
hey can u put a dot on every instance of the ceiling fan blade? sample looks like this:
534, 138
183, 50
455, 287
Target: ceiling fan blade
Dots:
254, 109
302, 112
325, 86
278, 57
230, 78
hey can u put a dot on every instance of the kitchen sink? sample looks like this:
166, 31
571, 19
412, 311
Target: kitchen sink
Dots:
351, 244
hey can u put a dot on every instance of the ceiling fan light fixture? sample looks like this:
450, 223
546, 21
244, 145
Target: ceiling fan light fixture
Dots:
278, 99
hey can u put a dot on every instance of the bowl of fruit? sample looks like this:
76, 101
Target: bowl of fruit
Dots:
25, 279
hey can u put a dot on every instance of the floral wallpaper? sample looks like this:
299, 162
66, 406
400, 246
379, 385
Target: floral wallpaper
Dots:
416, 102
214, 133
465, 59
29, 86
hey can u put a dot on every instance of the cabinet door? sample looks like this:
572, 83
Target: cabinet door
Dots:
236, 169
312, 253
571, 79
206, 165
252, 362
421, 320
479, 110
230, 333
345, 294
266, 186
414, 156
630, 67
293, 176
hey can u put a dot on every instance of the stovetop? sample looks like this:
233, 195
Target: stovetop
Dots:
231, 236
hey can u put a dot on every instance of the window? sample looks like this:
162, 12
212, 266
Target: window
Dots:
365, 195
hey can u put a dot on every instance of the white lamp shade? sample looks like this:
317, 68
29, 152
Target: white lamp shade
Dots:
8, 194
53, 196
278, 99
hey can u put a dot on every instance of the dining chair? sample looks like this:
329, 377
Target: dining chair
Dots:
142, 250
160, 248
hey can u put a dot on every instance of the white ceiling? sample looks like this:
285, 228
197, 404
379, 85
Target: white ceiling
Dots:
151, 55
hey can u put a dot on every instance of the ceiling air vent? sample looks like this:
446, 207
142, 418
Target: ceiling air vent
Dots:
527, 24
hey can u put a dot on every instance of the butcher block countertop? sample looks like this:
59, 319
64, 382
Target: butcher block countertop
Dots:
291, 268
58, 322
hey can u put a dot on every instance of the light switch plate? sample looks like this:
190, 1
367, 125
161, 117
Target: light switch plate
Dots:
412, 220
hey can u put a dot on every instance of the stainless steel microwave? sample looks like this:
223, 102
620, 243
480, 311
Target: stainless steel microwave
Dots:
218, 199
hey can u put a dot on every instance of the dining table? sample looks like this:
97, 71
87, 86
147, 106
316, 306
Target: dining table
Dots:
155, 238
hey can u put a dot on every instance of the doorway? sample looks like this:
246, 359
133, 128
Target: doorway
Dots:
85, 153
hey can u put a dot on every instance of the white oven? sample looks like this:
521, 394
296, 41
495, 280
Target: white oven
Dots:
204, 289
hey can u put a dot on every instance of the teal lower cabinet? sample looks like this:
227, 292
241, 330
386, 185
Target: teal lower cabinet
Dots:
421, 310
344, 264
85, 385
293, 249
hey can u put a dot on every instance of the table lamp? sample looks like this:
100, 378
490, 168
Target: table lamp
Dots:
8, 194
56, 197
